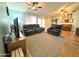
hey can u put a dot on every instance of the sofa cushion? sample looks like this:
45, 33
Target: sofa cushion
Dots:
32, 29
29, 30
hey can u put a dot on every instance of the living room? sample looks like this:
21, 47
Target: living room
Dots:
47, 27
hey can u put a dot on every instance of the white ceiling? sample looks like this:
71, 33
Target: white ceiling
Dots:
48, 7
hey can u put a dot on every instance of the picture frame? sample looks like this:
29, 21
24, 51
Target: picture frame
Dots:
67, 18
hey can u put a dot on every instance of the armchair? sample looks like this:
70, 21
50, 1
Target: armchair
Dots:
54, 29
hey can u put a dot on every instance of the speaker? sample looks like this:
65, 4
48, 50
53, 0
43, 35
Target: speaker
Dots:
7, 10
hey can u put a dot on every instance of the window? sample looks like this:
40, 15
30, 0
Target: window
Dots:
33, 19
41, 22
29, 19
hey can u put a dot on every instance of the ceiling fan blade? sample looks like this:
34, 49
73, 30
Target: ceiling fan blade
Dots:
35, 9
36, 3
29, 4
39, 7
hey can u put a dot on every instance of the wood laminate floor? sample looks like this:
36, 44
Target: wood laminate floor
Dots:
71, 48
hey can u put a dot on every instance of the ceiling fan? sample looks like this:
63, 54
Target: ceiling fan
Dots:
34, 5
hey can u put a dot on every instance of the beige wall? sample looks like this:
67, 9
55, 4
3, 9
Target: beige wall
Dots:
76, 20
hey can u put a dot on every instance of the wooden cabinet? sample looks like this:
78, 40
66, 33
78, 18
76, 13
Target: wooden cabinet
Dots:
67, 27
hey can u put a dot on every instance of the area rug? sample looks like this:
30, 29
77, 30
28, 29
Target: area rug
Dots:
45, 45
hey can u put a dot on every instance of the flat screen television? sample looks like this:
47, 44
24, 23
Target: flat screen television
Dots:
16, 28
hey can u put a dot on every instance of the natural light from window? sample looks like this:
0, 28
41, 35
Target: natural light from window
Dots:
31, 19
